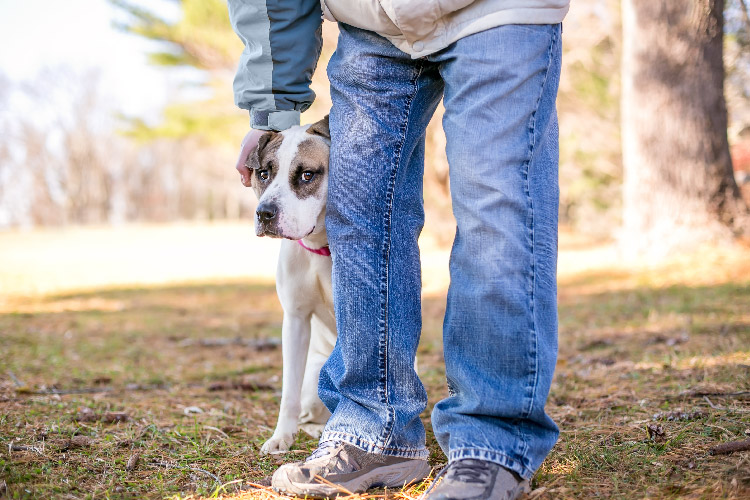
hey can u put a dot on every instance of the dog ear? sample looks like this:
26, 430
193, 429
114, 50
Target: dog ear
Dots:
320, 128
253, 161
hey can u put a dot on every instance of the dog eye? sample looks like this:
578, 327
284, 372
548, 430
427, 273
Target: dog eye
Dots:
263, 174
307, 176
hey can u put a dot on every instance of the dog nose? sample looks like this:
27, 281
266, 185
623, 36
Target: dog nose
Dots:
266, 213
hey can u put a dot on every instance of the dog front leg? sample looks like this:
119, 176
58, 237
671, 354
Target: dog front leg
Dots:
295, 340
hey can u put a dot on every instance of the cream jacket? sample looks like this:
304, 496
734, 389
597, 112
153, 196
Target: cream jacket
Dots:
421, 27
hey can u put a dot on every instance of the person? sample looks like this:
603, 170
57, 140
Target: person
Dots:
496, 65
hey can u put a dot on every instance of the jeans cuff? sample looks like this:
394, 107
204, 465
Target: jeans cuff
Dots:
494, 456
370, 447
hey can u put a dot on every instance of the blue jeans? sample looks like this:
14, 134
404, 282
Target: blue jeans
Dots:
500, 330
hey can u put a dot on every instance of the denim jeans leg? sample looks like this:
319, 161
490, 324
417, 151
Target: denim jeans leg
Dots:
500, 329
382, 102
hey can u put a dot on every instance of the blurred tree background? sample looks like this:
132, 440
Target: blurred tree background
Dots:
679, 188
182, 166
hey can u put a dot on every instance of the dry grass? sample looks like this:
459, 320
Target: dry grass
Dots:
169, 325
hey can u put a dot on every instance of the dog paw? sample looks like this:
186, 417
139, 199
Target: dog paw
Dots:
277, 444
313, 430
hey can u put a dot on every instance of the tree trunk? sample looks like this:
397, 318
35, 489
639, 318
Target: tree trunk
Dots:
679, 188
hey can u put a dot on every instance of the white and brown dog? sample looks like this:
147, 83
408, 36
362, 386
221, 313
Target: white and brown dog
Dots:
290, 178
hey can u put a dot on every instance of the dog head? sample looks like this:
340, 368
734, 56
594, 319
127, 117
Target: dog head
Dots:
290, 178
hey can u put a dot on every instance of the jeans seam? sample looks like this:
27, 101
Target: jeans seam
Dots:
365, 445
498, 457
532, 144
388, 431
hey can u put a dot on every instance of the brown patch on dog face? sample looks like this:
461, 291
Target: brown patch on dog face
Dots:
309, 168
264, 161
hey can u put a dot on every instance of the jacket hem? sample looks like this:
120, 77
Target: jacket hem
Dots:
513, 16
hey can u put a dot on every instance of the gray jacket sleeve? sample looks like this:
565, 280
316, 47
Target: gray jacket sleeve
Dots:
282, 44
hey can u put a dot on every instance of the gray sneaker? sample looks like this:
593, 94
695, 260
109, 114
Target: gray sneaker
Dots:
471, 479
339, 468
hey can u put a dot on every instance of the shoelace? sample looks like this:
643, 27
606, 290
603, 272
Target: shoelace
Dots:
469, 469
321, 450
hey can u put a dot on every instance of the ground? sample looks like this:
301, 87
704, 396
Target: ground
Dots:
143, 362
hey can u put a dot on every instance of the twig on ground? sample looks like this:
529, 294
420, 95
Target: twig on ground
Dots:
216, 429
91, 390
258, 485
536, 493
182, 467
711, 404
698, 394
724, 408
15, 379
328, 483
62, 392
731, 447
238, 385
257, 344
726, 431
223, 487
22, 447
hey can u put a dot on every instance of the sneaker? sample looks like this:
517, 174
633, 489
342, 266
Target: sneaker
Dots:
476, 480
340, 468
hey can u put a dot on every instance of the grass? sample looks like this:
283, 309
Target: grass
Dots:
666, 346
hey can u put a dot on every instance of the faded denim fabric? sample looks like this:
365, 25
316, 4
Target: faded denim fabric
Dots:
500, 331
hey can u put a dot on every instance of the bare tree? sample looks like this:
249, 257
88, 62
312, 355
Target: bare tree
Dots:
63, 162
679, 188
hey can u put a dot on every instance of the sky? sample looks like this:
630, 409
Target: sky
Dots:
78, 34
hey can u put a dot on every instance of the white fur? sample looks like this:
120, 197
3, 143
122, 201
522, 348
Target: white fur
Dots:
303, 284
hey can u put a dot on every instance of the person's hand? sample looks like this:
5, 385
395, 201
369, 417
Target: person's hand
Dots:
248, 144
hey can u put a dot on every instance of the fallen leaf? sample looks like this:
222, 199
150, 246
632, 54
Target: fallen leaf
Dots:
79, 442
656, 432
190, 410
133, 461
86, 415
112, 417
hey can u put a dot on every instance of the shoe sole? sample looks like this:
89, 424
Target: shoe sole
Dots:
388, 476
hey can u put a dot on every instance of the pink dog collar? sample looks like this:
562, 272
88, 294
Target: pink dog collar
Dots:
320, 251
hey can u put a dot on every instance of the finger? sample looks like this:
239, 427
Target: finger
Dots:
249, 143
245, 175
